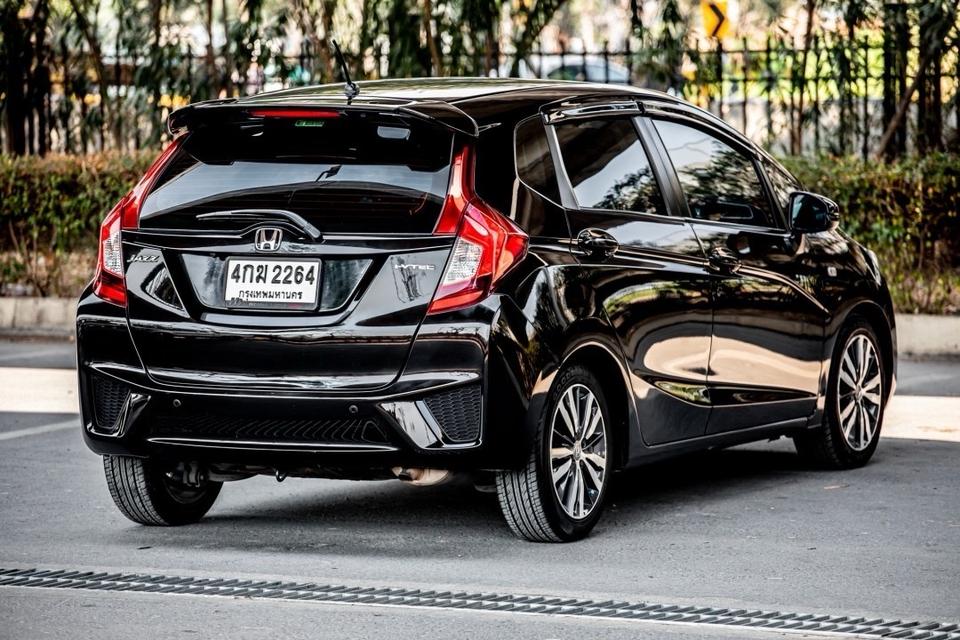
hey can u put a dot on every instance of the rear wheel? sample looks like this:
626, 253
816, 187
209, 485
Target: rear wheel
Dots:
150, 493
558, 496
856, 398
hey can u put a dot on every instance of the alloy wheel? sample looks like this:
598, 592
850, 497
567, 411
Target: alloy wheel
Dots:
859, 392
578, 451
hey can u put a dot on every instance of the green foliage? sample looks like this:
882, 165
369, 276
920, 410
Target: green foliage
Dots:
51, 209
908, 212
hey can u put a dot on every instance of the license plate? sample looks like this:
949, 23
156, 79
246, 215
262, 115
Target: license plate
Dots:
281, 284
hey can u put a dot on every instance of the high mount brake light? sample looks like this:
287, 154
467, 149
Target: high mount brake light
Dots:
109, 283
305, 114
488, 243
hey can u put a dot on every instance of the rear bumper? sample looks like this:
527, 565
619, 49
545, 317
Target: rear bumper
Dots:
437, 413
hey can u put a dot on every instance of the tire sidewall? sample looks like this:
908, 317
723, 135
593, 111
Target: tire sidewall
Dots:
566, 527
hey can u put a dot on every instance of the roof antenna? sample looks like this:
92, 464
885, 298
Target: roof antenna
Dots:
350, 89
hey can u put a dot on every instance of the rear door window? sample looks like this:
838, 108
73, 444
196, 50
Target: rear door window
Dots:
349, 174
608, 167
720, 183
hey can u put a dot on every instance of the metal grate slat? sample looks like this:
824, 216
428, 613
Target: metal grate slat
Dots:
831, 625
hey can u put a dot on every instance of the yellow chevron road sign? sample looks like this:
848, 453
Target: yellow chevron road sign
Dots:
715, 21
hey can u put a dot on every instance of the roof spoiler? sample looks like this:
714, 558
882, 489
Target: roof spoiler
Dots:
236, 110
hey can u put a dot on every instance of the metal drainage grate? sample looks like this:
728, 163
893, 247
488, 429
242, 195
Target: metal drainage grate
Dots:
547, 605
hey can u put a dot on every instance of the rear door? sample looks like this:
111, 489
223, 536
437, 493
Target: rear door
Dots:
293, 254
645, 268
768, 325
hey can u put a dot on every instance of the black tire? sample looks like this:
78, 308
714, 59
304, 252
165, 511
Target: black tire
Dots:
145, 494
826, 446
527, 496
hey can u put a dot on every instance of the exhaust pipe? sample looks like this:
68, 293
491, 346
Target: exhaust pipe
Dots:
419, 477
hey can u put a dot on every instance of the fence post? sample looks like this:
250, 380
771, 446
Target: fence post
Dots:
563, 56
189, 76
816, 94
768, 70
630, 65
746, 71
719, 53
865, 150
302, 61
606, 62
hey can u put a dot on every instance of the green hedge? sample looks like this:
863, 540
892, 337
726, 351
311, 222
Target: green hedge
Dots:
908, 212
50, 209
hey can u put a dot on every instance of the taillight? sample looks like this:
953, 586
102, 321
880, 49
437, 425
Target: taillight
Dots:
488, 244
108, 283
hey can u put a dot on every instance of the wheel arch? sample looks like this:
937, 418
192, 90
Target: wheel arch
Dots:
883, 327
604, 363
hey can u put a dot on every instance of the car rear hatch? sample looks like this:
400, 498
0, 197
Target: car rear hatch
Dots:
290, 249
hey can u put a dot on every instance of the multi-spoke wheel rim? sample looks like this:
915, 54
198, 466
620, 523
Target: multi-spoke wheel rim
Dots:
859, 392
578, 451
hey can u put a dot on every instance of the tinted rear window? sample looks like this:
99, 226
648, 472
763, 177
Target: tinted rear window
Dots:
344, 175
608, 167
534, 162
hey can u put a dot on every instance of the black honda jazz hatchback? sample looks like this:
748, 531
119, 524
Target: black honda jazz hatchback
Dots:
539, 283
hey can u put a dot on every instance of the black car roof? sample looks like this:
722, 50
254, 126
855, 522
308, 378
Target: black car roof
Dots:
450, 90
461, 104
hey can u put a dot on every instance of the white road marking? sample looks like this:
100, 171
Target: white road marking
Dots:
27, 355
923, 418
33, 390
35, 431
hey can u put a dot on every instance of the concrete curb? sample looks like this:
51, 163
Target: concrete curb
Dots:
918, 335
38, 317
928, 335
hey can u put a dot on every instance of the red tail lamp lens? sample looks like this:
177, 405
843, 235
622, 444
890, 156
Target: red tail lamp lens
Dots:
488, 243
108, 283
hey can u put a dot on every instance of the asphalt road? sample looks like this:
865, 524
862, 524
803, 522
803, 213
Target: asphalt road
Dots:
746, 528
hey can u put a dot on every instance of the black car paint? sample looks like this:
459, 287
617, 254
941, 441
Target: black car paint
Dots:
561, 304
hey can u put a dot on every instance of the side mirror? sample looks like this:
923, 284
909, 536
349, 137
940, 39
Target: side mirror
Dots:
812, 213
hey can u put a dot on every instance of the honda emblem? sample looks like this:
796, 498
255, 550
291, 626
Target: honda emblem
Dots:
268, 239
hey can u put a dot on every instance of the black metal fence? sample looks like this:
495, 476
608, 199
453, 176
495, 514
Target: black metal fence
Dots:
834, 96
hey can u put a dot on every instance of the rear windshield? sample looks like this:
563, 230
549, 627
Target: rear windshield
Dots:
351, 174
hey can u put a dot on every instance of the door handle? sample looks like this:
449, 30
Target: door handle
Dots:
597, 242
723, 260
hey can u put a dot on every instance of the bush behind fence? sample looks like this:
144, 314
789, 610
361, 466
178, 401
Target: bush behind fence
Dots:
906, 211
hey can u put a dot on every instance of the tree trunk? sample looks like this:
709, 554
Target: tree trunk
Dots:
327, 7
896, 45
15, 106
210, 60
96, 53
932, 51
427, 19
796, 140
156, 66
227, 57
534, 20
117, 72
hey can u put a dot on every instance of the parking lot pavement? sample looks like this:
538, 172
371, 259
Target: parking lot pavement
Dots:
746, 528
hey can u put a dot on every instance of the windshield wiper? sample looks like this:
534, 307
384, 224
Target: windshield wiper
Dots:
259, 214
